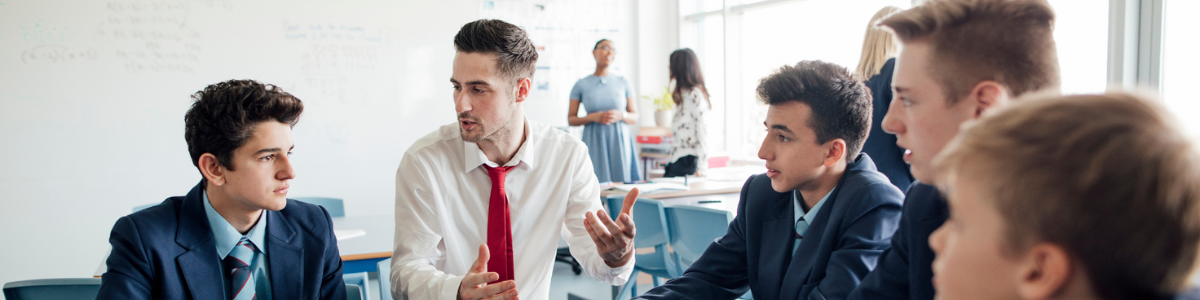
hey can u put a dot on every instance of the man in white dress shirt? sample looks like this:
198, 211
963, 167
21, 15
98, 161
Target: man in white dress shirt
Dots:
458, 235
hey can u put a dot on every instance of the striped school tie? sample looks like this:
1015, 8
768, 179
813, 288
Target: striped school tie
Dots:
241, 278
801, 228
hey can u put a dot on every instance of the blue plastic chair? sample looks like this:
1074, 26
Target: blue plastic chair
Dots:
354, 292
141, 207
693, 229
359, 280
61, 288
385, 279
333, 205
652, 232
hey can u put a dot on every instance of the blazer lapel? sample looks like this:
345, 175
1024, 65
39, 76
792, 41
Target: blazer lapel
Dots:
200, 265
799, 270
777, 238
284, 259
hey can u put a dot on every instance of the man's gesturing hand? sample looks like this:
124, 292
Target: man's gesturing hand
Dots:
614, 240
474, 286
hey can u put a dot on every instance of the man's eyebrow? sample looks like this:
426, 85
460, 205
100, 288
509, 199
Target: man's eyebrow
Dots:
268, 150
899, 89
780, 127
473, 82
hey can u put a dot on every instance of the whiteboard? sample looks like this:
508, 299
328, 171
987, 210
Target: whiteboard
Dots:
93, 93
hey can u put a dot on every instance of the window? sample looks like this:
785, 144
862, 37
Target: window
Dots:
1179, 70
742, 41
764, 36
1081, 36
706, 37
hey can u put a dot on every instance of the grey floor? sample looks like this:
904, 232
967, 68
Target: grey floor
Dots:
583, 287
564, 281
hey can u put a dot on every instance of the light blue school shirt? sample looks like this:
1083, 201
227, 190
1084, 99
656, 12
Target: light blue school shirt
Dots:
809, 216
228, 237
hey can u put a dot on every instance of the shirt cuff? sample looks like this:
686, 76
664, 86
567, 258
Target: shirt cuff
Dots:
620, 275
450, 289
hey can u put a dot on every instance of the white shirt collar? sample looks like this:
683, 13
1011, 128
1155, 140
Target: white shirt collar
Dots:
527, 152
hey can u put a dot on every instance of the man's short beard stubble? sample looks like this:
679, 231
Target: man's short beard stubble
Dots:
483, 130
478, 126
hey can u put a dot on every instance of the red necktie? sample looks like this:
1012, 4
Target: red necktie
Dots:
499, 230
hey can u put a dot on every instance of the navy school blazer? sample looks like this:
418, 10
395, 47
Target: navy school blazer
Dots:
889, 158
168, 252
841, 246
905, 270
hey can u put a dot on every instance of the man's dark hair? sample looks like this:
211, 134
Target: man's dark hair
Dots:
840, 103
515, 54
225, 114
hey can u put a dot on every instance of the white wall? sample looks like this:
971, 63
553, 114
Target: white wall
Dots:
88, 137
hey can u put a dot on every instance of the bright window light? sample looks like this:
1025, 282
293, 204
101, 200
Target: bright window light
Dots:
1179, 68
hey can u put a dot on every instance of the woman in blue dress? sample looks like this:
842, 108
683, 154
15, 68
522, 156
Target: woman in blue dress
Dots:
608, 101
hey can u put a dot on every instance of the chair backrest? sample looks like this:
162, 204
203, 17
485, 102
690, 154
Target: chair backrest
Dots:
649, 217
385, 279
354, 292
61, 288
652, 232
693, 229
141, 207
333, 205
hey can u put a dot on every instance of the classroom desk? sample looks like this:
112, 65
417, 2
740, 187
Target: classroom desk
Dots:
360, 254
718, 194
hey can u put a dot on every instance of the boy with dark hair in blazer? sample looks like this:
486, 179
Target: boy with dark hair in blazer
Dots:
814, 224
235, 235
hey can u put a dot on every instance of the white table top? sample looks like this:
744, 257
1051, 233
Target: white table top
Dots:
376, 243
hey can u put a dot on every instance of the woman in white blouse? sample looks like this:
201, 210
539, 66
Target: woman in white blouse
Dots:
688, 155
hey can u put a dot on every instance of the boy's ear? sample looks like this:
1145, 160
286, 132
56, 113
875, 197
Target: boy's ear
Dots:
1046, 271
212, 170
837, 150
987, 95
